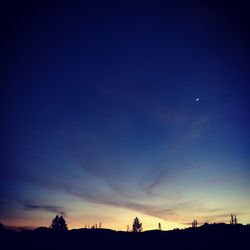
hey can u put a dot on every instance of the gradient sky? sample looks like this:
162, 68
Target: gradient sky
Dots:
100, 120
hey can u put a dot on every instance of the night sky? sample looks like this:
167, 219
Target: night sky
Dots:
111, 110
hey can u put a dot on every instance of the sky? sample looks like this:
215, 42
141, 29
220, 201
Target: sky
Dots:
112, 110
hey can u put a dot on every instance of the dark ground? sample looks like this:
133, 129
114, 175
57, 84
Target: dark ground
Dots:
217, 236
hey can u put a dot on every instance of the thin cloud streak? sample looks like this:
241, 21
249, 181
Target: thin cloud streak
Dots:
48, 208
170, 151
168, 211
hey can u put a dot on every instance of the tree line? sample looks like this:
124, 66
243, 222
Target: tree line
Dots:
59, 224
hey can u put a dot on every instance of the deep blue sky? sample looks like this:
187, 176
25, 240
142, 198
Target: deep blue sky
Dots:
99, 111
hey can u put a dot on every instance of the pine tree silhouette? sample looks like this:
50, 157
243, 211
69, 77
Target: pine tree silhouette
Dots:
137, 225
59, 224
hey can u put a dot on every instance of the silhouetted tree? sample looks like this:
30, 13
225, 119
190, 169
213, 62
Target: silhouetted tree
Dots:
58, 224
233, 220
137, 225
159, 226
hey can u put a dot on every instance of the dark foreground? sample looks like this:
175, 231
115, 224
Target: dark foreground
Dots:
219, 236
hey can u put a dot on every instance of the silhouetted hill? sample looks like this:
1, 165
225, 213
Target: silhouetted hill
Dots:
216, 236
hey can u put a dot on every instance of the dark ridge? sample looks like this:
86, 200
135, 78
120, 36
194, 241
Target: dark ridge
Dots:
208, 236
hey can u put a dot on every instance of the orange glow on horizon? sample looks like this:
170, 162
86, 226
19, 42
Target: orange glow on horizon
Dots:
148, 223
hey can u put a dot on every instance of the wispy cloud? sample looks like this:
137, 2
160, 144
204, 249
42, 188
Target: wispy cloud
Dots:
179, 210
174, 210
160, 211
188, 129
48, 208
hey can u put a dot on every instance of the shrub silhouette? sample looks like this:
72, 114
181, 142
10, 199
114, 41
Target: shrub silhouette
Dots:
137, 225
59, 224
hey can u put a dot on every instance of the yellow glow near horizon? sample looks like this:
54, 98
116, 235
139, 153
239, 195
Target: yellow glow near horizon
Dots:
81, 214
118, 222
